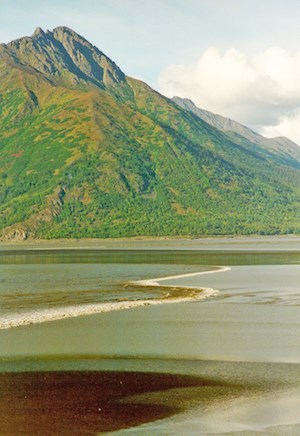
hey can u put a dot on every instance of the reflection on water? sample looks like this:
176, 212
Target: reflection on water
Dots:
247, 414
175, 256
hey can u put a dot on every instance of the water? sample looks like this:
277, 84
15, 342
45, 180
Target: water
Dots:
32, 291
246, 337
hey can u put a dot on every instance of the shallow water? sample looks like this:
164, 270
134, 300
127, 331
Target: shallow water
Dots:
248, 334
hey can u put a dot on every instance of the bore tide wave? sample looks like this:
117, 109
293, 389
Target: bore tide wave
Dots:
183, 294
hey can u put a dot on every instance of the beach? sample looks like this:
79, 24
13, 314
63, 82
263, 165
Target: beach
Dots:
225, 363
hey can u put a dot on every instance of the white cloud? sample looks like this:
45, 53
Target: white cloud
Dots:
287, 126
262, 91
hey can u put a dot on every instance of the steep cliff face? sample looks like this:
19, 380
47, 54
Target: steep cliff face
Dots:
86, 151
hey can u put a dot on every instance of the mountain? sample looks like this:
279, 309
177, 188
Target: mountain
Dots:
65, 57
284, 148
87, 151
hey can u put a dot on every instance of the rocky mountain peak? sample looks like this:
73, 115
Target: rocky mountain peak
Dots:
38, 32
62, 54
66, 30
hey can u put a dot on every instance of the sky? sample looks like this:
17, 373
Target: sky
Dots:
238, 58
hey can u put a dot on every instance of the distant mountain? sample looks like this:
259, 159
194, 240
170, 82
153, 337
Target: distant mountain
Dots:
87, 151
281, 146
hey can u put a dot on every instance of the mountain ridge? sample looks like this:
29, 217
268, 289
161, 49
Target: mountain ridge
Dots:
279, 144
87, 151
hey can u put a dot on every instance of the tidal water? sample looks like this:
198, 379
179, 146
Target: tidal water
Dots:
245, 337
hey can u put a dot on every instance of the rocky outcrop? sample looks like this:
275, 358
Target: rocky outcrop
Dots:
28, 228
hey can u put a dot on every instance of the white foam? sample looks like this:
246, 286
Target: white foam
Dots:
155, 282
54, 314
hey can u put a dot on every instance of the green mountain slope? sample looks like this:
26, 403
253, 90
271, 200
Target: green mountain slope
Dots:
86, 151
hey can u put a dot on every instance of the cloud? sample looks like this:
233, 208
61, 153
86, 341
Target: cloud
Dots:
287, 126
261, 91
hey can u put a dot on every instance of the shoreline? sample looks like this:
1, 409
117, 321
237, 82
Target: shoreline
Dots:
161, 243
180, 294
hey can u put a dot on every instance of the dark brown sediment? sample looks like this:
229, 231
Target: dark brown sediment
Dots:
86, 403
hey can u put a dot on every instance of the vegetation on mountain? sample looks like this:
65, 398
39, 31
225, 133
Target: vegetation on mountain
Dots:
86, 151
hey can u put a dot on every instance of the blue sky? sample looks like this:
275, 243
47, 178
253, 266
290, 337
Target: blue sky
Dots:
167, 43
